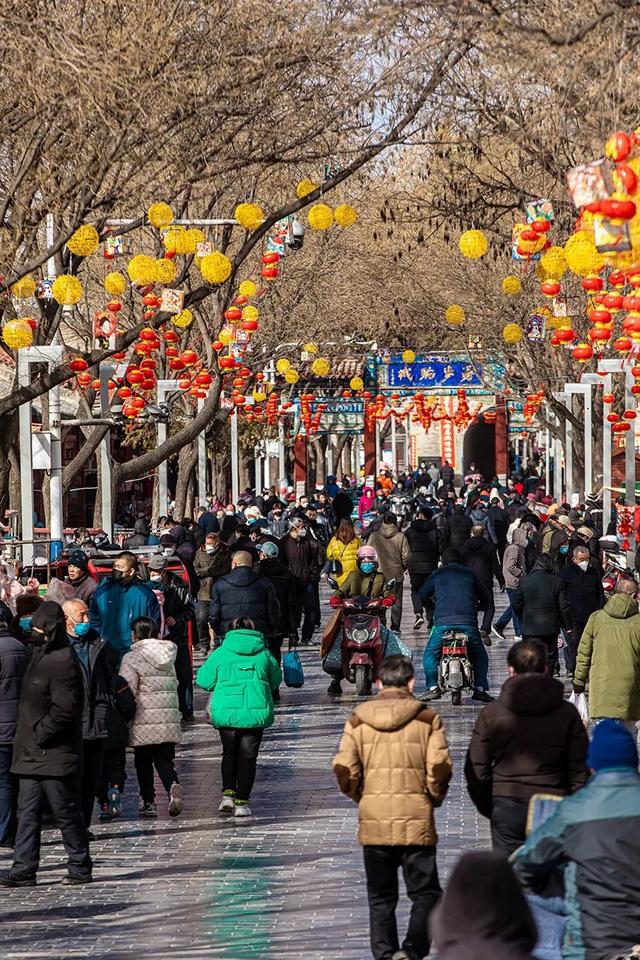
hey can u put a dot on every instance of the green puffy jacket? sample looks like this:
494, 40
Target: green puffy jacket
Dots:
609, 658
242, 674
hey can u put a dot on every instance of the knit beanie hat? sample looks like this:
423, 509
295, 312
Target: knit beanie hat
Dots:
612, 746
78, 558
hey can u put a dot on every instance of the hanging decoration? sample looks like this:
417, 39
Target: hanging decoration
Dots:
84, 241
320, 216
249, 215
160, 215
66, 290
454, 315
215, 267
473, 244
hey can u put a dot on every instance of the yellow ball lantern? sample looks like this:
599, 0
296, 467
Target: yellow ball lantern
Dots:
215, 267
17, 334
512, 334
249, 215
115, 284
408, 356
582, 255
165, 270
304, 188
190, 240
320, 216
356, 383
227, 336
183, 319
259, 396
454, 315
176, 239
345, 215
282, 365
292, 376
84, 241
24, 288
247, 288
511, 286
66, 289
160, 215
250, 313
320, 367
142, 270
473, 244
554, 263
310, 347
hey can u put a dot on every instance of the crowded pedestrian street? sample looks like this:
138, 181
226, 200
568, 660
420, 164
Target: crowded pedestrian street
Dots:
288, 882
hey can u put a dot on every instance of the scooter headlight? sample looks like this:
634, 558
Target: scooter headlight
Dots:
360, 635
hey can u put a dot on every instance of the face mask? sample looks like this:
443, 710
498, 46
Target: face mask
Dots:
155, 577
168, 551
583, 564
25, 623
564, 549
81, 629
210, 549
117, 575
302, 533
367, 567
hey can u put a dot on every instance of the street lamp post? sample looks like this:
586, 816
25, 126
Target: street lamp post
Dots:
583, 389
612, 367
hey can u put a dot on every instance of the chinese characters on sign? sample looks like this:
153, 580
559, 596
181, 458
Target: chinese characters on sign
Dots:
431, 371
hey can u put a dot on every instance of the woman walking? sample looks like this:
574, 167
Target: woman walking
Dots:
242, 676
343, 549
149, 669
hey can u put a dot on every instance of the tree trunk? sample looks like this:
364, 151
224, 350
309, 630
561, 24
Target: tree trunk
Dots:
191, 494
97, 509
187, 462
14, 480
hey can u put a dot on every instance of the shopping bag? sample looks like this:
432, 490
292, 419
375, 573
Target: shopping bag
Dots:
580, 703
292, 668
330, 632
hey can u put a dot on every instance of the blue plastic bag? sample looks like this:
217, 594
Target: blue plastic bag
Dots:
292, 669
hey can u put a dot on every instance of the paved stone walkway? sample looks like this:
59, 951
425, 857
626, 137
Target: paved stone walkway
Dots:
287, 884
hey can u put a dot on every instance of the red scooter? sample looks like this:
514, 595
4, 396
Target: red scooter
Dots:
362, 645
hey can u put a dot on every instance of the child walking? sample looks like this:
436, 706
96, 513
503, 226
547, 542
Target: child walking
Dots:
149, 669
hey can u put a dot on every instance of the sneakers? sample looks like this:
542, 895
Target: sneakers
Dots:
419, 621
115, 802
70, 881
433, 694
6, 880
242, 810
148, 810
482, 696
175, 800
486, 639
334, 688
105, 813
227, 804
498, 632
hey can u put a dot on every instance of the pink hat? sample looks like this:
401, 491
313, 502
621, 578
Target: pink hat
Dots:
366, 553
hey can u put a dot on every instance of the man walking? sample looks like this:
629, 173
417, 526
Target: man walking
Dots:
424, 543
244, 593
540, 601
304, 557
211, 561
531, 740
609, 658
47, 750
582, 580
14, 658
97, 668
119, 600
394, 762
479, 554
514, 569
179, 611
394, 555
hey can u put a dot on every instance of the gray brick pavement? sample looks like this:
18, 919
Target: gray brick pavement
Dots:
287, 884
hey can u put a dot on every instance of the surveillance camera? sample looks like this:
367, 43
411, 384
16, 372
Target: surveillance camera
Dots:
295, 237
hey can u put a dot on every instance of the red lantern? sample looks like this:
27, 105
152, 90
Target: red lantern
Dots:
184, 384
600, 316
217, 345
592, 284
147, 333
177, 363
618, 209
616, 278
171, 352
139, 403
608, 398
621, 427
618, 147
565, 335
79, 365
270, 257
148, 364
125, 392
613, 301
204, 378
613, 417
628, 179
249, 325
240, 301
170, 336
134, 375
118, 356
582, 353
227, 363
629, 414
622, 345
189, 357
270, 273
233, 314
550, 288
129, 411
599, 334
114, 306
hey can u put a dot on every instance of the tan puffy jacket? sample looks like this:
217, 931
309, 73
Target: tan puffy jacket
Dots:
149, 670
394, 762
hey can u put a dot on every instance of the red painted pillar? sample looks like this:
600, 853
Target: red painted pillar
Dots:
299, 462
370, 452
502, 440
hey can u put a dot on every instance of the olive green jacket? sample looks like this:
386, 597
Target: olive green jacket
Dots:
609, 658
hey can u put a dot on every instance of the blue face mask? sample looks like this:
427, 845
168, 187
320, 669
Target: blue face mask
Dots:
367, 567
25, 623
564, 549
81, 629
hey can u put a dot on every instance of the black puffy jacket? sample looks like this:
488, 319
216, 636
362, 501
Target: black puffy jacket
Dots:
459, 527
244, 593
98, 683
14, 659
48, 739
285, 587
541, 601
480, 555
425, 546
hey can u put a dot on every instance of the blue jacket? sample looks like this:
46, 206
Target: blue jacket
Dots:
593, 840
114, 607
458, 593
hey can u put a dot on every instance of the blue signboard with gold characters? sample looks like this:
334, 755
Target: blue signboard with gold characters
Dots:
432, 371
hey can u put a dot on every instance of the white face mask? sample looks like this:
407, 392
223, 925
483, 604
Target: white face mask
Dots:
583, 564
155, 577
210, 548
302, 533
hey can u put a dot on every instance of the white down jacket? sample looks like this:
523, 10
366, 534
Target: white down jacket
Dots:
149, 670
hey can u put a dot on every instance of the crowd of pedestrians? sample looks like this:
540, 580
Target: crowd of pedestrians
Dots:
111, 667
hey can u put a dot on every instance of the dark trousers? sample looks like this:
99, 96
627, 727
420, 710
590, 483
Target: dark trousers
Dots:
316, 604
305, 600
423, 889
63, 798
8, 797
418, 580
239, 759
551, 643
488, 614
396, 609
508, 824
113, 774
274, 644
160, 756
202, 620
92, 756
573, 643
184, 674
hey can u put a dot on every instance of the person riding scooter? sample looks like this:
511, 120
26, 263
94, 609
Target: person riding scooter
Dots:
458, 593
367, 582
